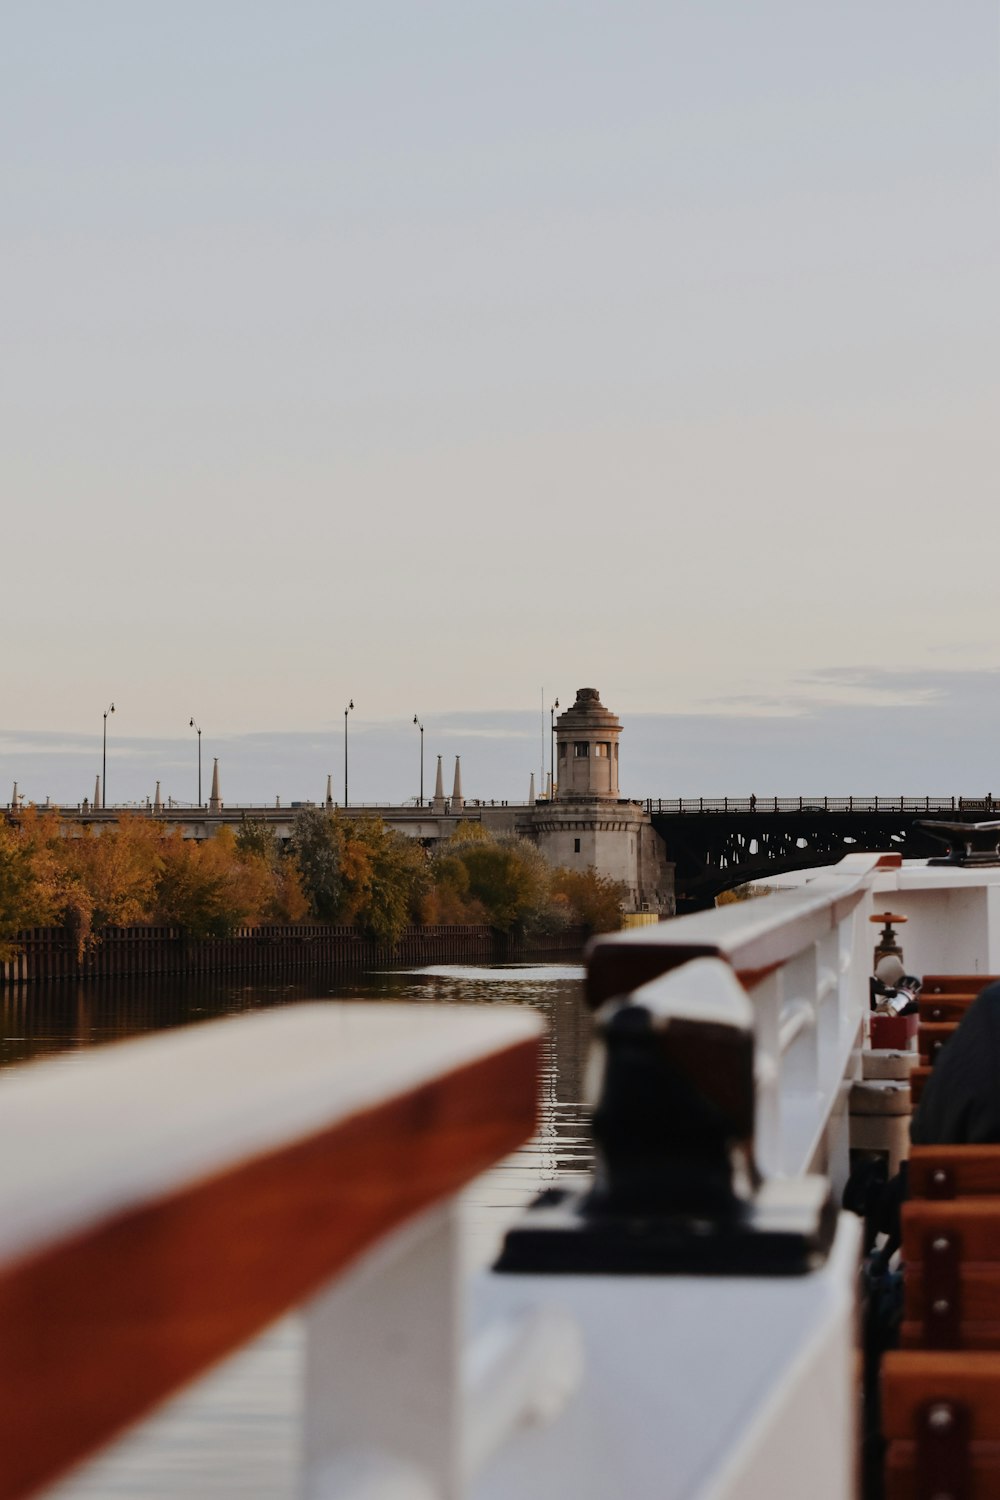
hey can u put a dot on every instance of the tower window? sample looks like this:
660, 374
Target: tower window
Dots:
576, 846
562, 750
603, 749
581, 749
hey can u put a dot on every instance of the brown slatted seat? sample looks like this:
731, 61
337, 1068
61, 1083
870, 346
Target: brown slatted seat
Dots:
941, 1420
957, 984
943, 1007
931, 1037
951, 1284
954, 1171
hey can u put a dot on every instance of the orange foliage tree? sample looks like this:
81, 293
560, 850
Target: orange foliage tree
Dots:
257, 846
118, 868
206, 888
593, 902
51, 892
383, 878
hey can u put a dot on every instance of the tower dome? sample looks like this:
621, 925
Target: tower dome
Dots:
587, 743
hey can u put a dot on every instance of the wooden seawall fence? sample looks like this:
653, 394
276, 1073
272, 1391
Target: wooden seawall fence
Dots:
49, 953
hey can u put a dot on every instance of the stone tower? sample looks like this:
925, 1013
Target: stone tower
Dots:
588, 824
587, 749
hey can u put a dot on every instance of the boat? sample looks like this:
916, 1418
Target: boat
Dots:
682, 1327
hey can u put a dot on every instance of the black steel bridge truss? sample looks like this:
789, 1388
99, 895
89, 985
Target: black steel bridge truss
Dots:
716, 844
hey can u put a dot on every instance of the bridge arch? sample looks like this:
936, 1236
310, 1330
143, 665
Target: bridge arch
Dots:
715, 846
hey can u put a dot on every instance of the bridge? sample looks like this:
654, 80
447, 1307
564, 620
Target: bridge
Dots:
714, 844
718, 843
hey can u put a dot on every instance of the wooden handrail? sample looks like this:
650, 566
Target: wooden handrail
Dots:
170, 1197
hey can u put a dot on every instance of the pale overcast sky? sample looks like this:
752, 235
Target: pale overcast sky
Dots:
436, 354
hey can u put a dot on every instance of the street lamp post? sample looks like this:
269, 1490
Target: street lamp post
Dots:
347, 710
421, 728
552, 748
194, 726
104, 758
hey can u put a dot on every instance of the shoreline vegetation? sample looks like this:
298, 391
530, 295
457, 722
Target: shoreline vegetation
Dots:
352, 872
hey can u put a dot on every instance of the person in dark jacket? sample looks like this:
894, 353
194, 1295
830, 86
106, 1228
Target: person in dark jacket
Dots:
960, 1104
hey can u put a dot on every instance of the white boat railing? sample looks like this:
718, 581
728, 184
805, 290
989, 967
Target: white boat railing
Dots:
170, 1197
754, 1391
804, 957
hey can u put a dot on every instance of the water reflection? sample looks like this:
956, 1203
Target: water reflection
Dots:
60, 1019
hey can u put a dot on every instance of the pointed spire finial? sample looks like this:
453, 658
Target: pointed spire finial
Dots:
457, 800
438, 804
215, 801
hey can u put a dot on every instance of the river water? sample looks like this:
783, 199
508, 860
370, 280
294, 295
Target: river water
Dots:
235, 1432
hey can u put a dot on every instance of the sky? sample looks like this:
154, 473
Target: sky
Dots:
450, 357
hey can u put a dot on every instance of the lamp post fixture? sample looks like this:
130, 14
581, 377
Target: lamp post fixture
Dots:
552, 749
421, 728
194, 726
104, 758
347, 710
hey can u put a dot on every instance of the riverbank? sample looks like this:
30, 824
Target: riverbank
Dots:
49, 953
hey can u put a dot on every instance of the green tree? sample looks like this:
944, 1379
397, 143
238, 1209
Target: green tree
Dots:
316, 846
254, 837
508, 877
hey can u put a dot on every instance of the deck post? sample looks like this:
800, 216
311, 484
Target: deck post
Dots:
383, 1369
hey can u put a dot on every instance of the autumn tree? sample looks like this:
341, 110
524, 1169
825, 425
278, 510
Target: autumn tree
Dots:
258, 846
118, 869
746, 892
446, 897
54, 894
24, 899
206, 888
384, 876
592, 901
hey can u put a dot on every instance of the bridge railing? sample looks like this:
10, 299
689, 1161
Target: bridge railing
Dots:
677, 805
174, 810
170, 1197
